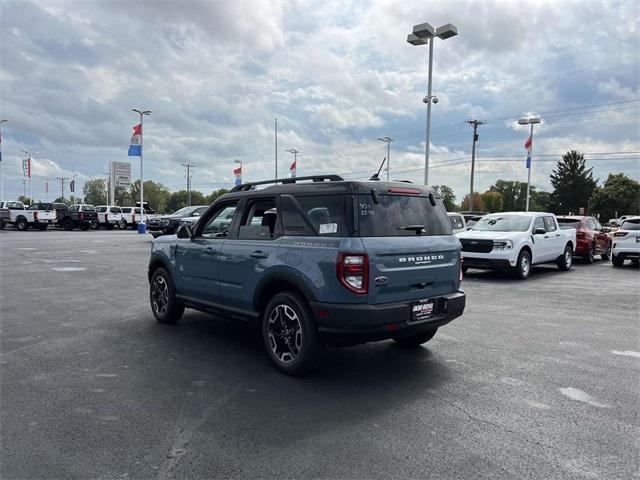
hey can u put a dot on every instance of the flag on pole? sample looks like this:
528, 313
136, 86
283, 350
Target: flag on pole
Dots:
238, 173
527, 145
26, 167
292, 169
72, 186
135, 148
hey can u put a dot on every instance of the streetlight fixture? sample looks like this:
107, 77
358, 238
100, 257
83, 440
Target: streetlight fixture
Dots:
529, 121
424, 34
143, 227
1, 178
294, 167
388, 140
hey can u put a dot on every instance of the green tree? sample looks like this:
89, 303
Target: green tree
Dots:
572, 182
155, 193
123, 197
178, 200
620, 195
478, 205
95, 191
492, 201
540, 202
62, 200
25, 200
514, 194
448, 198
215, 194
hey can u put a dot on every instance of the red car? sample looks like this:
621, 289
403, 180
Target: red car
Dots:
592, 238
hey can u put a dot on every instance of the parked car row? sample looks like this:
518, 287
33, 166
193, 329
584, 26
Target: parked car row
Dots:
41, 215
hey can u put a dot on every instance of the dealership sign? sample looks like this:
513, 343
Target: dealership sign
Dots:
121, 174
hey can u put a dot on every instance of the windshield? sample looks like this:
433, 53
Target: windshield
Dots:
503, 223
631, 224
401, 215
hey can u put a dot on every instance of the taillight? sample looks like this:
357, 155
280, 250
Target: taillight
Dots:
461, 264
620, 234
35, 215
353, 272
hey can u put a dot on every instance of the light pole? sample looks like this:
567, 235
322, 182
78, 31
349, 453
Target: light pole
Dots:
388, 140
1, 178
142, 229
474, 124
529, 121
239, 180
294, 167
424, 34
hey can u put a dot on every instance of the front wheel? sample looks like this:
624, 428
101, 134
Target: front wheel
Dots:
416, 339
566, 259
290, 335
123, 224
523, 267
617, 260
164, 305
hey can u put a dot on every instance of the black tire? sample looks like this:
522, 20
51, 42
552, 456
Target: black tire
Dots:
417, 339
566, 259
94, 226
590, 256
607, 254
290, 335
464, 269
162, 297
22, 224
67, 224
2, 224
617, 260
523, 266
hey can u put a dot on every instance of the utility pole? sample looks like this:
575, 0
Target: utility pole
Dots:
474, 124
276, 148
388, 140
108, 185
1, 177
188, 166
62, 179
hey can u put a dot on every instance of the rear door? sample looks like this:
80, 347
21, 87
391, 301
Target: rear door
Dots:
405, 262
249, 252
543, 247
557, 241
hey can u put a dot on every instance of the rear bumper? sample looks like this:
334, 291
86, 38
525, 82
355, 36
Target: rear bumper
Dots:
346, 324
626, 252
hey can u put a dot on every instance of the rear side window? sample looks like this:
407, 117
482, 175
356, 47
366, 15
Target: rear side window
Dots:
126, 210
115, 210
549, 224
327, 215
392, 213
260, 221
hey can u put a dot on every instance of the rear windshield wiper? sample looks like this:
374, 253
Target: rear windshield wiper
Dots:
419, 229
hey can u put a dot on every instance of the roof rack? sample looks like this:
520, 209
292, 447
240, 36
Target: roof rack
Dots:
316, 178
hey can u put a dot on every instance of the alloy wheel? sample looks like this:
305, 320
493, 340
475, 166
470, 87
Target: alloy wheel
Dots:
160, 295
285, 333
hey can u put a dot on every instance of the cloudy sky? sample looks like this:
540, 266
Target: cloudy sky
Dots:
336, 74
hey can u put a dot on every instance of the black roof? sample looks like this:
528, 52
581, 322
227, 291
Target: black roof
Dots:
320, 184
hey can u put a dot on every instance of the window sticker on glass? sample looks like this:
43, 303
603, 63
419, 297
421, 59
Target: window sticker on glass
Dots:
328, 228
365, 209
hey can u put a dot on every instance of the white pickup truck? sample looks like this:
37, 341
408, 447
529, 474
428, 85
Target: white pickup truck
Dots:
516, 240
109, 216
38, 215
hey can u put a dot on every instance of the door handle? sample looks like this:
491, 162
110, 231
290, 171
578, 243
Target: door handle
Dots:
209, 251
258, 254
546, 236
557, 234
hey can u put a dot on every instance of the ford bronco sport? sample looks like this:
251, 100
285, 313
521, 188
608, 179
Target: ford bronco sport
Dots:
315, 261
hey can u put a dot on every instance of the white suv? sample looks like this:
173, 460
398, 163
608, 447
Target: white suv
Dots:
109, 216
626, 242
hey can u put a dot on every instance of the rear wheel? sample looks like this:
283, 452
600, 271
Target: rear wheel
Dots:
617, 260
417, 339
290, 334
95, 225
22, 224
164, 305
67, 224
123, 224
607, 254
523, 267
590, 255
566, 259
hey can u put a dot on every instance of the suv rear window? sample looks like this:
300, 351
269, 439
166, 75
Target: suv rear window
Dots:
101, 209
88, 208
569, 223
631, 224
386, 218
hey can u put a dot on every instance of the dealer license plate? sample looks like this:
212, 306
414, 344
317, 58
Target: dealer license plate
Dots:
422, 310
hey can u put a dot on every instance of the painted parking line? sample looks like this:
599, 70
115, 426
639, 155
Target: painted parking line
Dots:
69, 269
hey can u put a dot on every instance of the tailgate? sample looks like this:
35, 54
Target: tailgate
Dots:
47, 215
412, 268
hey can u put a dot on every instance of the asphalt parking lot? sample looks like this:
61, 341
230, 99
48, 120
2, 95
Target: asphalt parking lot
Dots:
538, 379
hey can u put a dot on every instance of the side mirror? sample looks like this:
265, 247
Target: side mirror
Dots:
184, 231
606, 230
539, 231
196, 214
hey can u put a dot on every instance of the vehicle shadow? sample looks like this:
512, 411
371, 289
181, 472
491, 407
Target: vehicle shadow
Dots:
356, 385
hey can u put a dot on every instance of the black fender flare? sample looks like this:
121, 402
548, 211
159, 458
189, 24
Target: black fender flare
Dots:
285, 276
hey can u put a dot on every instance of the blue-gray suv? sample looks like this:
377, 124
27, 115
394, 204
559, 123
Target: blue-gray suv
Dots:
315, 261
